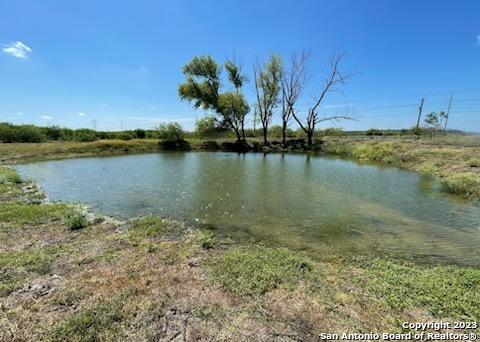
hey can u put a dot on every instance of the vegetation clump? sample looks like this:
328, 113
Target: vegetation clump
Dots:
466, 184
428, 169
445, 291
94, 324
8, 175
19, 213
474, 162
254, 270
385, 152
76, 220
29, 259
150, 227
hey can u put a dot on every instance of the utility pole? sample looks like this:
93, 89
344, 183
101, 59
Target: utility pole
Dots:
448, 112
121, 125
94, 124
420, 108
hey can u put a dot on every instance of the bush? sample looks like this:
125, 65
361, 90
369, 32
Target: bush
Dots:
374, 131
84, 135
28, 133
207, 128
333, 132
140, 133
6, 133
171, 132
126, 136
76, 221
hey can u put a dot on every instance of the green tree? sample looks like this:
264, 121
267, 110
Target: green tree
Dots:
267, 88
171, 132
207, 127
202, 87
434, 121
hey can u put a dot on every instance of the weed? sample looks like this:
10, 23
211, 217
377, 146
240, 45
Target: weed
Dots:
8, 175
466, 184
31, 260
474, 162
97, 323
150, 227
19, 213
255, 270
446, 291
428, 169
76, 220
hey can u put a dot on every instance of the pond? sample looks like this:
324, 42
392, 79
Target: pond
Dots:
323, 205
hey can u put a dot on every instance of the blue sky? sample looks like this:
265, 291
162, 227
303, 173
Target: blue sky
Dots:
119, 62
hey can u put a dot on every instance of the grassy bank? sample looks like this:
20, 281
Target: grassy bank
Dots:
455, 162
154, 279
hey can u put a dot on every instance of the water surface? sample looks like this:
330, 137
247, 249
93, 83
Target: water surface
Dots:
319, 204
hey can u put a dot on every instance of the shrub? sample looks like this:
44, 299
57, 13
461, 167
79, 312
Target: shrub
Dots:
171, 132
374, 131
6, 133
335, 132
76, 221
53, 132
126, 136
84, 135
140, 133
207, 127
28, 133
256, 270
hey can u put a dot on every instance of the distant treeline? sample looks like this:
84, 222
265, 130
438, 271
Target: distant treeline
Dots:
204, 129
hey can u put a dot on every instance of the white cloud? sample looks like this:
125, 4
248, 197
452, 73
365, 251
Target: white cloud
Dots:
46, 117
19, 113
81, 114
17, 49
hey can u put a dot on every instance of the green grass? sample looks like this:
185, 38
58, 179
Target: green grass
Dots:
445, 291
29, 259
99, 323
19, 213
8, 175
474, 162
255, 270
428, 169
150, 227
466, 184
9, 284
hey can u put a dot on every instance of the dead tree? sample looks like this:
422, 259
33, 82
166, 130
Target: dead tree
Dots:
293, 83
333, 83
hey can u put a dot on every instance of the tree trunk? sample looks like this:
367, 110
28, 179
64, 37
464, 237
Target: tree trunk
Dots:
309, 139
284, 135
238, 135
243, 132
265, 131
